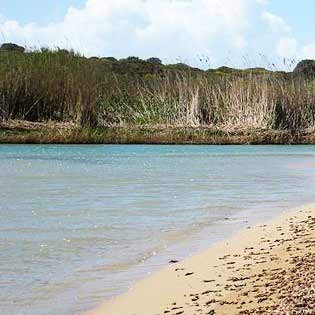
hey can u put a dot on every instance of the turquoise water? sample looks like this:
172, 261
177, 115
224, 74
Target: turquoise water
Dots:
79, 224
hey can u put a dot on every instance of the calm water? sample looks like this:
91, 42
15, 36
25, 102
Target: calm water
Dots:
79, 224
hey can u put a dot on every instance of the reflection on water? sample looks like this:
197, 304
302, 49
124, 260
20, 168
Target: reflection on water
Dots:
78, 224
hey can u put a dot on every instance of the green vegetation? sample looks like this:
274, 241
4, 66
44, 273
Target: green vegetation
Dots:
102, 94
48, 133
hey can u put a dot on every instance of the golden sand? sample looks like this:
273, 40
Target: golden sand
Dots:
268, 269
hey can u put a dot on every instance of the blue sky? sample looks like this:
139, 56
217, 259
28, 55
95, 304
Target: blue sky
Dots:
300, 15
226, 31
37, 10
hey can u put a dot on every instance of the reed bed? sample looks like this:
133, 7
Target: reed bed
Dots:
63, 86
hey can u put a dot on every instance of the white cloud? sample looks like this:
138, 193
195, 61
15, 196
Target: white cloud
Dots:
2, 18
264, 2
287, 47
275, 22
175, 30
308, 51
165, 28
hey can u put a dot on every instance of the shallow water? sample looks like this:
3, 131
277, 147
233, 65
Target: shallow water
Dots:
79, 224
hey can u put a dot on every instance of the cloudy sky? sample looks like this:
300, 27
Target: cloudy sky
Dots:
231, 32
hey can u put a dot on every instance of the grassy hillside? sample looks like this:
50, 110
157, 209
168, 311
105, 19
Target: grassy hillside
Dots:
62, 86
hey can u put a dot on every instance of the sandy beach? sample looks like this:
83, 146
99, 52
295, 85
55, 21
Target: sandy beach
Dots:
266, 269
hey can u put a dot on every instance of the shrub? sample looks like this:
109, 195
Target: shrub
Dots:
305, 68
154, 61
12, 47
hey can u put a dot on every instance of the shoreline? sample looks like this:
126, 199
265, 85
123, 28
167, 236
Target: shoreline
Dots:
23, 132
254, 272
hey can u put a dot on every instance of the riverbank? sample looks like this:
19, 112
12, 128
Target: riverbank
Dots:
268, 269
20, 132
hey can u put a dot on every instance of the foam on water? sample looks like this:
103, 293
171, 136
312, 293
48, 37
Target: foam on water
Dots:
79, 224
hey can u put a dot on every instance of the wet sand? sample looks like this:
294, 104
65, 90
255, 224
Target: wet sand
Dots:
267, 269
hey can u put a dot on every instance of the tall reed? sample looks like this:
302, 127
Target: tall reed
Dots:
62, 86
